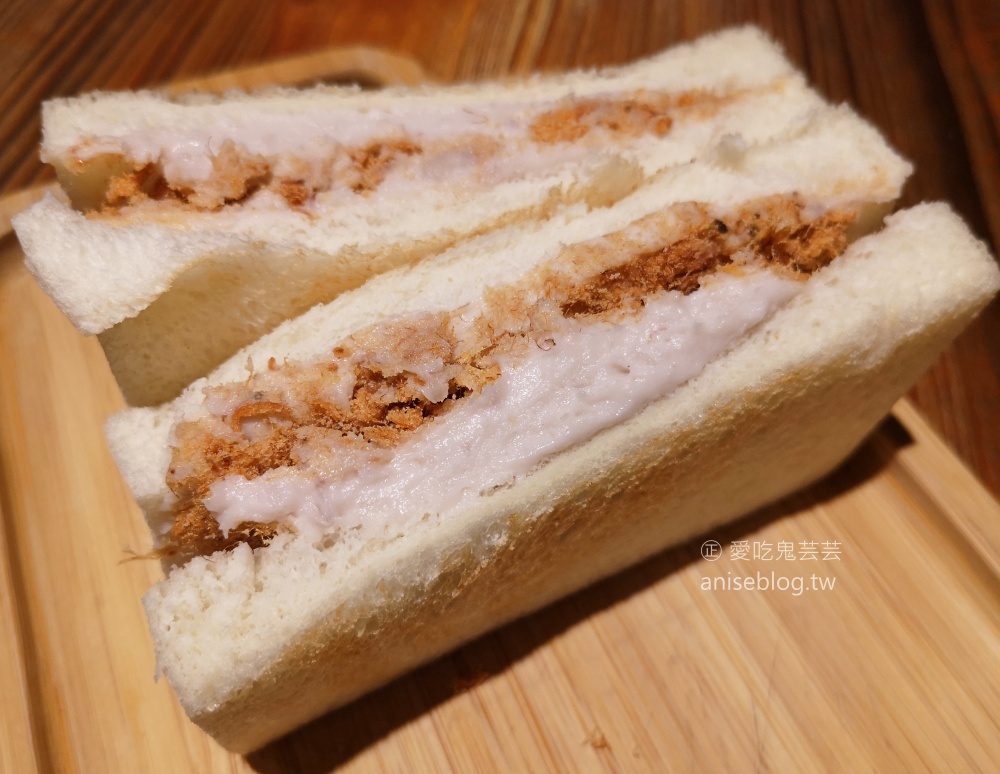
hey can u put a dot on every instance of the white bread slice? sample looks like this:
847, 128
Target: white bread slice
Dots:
257, 642
171, 299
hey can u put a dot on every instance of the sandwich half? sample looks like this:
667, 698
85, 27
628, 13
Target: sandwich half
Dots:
457, 443
193, 225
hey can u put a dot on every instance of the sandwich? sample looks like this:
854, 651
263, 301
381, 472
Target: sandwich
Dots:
190, 226
465, 438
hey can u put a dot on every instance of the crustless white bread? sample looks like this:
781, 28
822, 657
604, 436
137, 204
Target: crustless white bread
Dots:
306, 625
460, 441
278, 201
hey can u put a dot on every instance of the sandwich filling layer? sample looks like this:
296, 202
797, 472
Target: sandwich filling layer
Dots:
329, 158
414, 416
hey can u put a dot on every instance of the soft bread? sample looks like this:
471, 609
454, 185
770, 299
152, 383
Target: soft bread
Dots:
231, 650
148, 288
256, 641
306, 629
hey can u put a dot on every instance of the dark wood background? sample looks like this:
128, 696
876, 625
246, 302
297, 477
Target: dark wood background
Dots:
926, 73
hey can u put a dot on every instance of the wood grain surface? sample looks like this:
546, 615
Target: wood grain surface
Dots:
894, 669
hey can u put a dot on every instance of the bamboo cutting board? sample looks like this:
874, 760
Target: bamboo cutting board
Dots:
880, 652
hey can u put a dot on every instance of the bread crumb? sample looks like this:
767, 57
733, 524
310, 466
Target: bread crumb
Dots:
597, 740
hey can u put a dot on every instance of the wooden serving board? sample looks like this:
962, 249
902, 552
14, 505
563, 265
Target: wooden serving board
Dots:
667, 666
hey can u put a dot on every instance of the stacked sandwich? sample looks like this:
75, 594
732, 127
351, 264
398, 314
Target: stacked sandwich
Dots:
404, 366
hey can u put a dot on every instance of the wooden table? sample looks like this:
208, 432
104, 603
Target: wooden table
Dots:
928, 75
